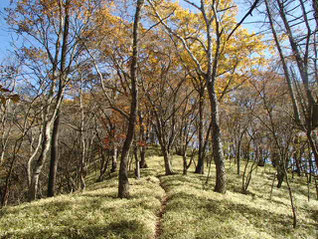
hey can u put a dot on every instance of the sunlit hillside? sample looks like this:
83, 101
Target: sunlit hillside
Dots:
167, 207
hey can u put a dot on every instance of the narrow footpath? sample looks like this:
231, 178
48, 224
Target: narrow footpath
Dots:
164, 200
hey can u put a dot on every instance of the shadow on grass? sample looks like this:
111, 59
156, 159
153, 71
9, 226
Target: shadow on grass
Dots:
314, 215
125, 229
228, 212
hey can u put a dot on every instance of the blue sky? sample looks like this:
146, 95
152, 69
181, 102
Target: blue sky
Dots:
5, 36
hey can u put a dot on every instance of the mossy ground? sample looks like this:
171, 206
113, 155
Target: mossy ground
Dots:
193, 210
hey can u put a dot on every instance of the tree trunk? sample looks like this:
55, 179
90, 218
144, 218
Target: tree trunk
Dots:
55, 133
280, 176
54, 158
297, 163
291, 197
82, 172
114, 160
200, 166
167, 161
238, 156
143, 163
217, 152
123, 186
6, 191
261, 162
46, 144
137, 166
185, 168
103, 166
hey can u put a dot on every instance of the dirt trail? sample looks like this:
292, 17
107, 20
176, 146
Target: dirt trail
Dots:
161, 213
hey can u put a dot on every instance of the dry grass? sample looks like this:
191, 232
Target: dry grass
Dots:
95, 213
193, 211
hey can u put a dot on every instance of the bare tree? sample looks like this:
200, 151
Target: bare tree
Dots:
123, 186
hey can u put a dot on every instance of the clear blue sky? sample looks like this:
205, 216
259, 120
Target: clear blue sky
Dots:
5, 36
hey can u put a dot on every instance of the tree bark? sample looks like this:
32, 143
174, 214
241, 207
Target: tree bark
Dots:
167, 161
238, 156
123, 186
54, 158
137, 162
33, 190
143, 163
200, 166
220, 185
114, 160
55, 131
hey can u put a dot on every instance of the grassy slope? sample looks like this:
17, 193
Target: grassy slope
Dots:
96, 213
191, 211
194, 211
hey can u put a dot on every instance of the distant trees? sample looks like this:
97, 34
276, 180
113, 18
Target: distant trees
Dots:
300, 70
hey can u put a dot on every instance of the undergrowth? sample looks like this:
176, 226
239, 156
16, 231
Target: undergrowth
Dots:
193, 210
95, 213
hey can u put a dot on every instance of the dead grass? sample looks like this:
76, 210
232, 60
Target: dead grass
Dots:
193, 210
95, 213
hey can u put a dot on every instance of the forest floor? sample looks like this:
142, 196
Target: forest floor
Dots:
168, 207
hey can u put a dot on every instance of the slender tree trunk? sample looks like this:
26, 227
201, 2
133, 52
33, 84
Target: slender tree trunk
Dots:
123, 186
210, 77
217, 152
200, 166
272, 187
103, 166
310, 165
54, 158
55, 131
316, 185
82, 171
137, 162
143, 163
167, 161
291, 197
114, 160
29, 164
41, 160
238, 156
6, 191
185, 165
297, 162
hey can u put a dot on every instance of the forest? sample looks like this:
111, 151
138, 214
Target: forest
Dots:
159, 119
